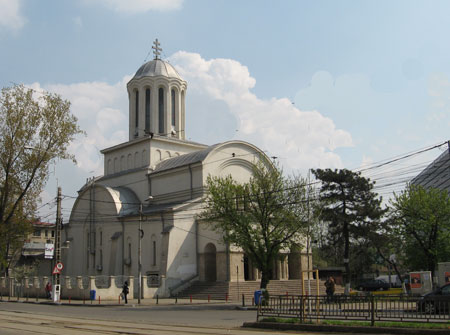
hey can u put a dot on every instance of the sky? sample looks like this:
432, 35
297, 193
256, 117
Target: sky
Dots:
317, 84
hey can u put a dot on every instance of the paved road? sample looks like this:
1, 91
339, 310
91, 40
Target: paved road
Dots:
22, 318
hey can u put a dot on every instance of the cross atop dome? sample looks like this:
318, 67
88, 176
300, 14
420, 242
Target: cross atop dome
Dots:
156, 49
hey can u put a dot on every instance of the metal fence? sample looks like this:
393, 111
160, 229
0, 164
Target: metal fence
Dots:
363, 308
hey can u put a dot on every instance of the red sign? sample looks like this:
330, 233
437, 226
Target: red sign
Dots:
58, 268
416, 281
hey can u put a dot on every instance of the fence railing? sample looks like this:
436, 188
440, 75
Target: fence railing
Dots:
363, 308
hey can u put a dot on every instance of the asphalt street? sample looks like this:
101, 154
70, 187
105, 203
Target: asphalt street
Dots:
23, 318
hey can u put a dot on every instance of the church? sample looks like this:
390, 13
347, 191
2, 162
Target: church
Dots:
141, 216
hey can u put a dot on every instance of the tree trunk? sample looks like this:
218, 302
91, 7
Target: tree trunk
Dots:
346, 258
266, 275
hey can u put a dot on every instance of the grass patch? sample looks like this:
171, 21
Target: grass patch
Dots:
281, 320
417, 325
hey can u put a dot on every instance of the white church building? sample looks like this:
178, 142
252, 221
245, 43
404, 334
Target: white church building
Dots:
156, 181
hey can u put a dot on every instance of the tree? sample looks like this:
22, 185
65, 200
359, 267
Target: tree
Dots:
263, 216
349, 206
35, 130
421, 217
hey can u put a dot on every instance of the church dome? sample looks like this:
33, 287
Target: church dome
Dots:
157, 67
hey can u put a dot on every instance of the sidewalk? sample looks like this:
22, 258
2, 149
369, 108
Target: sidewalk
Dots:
131, 302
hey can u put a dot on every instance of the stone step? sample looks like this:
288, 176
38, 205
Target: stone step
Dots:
234, 290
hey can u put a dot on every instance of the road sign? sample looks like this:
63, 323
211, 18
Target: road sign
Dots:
58, 268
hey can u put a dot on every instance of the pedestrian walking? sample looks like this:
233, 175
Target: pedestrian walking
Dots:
48, 290
125, 291
330, 287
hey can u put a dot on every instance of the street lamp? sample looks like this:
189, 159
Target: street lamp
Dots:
140, 236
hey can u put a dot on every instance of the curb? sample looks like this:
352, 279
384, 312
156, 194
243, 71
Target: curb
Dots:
346, 329
130, 304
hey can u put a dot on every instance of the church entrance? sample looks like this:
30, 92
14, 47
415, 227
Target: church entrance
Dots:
210, 263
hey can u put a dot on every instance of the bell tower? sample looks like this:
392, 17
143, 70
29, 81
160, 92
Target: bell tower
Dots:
156, 97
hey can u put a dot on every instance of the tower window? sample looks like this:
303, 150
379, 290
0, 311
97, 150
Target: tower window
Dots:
173, 109
161, 110
137, 110
147, 110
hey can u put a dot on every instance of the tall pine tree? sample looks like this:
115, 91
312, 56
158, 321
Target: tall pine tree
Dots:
349, 206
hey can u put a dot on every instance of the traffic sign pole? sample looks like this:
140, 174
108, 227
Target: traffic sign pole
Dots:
56, 276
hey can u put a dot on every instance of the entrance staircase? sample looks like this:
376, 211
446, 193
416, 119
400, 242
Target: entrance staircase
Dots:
233, 291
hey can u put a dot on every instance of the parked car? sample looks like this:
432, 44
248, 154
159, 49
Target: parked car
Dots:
373, 285
437, 301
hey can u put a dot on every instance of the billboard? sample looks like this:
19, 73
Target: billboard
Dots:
49, 250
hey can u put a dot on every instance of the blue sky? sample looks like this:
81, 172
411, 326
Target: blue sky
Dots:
315, 83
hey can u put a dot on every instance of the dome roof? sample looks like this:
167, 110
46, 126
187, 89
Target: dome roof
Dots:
157, 67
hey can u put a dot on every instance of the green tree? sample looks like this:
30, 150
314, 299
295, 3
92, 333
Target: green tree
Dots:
263, 216
350, 208
421, 217
35, 130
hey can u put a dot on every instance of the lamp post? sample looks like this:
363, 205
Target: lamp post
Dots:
140, 233
140, 236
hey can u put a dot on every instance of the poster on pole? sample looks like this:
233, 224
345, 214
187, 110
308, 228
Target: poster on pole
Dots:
49, 250
416, 281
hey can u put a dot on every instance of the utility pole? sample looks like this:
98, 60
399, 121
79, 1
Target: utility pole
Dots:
308, 241
56, 276
140, 254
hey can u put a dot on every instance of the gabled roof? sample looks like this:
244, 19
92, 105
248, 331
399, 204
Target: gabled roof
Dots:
436, 175
183, 160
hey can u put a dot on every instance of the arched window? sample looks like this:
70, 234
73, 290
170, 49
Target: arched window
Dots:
153, 253
173, 109
129, 162
161, 110
136, 159
136, 112
116, 165
110, 167
147, 110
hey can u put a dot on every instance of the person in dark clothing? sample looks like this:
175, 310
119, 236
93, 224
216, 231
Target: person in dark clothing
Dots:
330, 287
48, 290
125, 291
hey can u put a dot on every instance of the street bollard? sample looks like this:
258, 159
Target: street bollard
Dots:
69, 299
287, 294
226, 297
176, 299
190, 297
99, 300
157, 298
243, 300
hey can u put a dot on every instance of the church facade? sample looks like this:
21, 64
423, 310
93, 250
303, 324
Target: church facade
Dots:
152, 189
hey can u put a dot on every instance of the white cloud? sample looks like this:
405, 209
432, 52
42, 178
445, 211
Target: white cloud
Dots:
102, 111
10, 16
301, 139
139, 6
